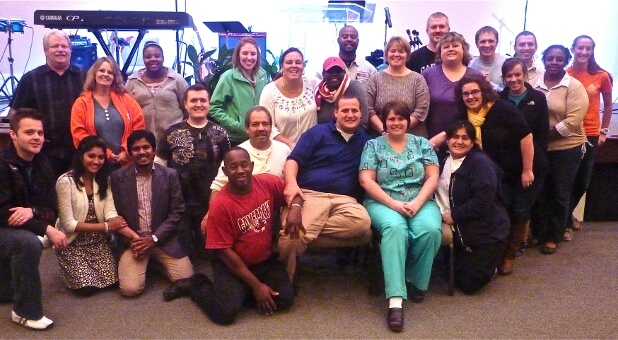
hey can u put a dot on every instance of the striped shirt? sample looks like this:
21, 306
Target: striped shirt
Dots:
144, 201
53, 96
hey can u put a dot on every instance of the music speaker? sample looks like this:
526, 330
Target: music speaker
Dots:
84, 56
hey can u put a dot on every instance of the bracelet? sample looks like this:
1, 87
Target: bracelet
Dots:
106, 227
297, 205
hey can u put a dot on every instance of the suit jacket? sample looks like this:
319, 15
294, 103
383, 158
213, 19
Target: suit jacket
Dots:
167, 207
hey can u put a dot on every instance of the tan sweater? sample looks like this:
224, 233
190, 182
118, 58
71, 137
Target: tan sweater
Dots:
568, 103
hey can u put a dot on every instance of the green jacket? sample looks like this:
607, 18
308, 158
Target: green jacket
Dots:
232, 98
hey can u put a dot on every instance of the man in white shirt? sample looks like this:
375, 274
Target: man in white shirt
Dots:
268, 155
525, 49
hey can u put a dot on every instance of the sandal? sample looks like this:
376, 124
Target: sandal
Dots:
577, 224
547, 250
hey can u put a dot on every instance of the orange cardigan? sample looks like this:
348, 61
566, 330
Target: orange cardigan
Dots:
82, 117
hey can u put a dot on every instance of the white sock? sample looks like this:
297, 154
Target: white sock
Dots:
395, 302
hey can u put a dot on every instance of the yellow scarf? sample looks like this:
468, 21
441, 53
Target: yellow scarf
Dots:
477, 120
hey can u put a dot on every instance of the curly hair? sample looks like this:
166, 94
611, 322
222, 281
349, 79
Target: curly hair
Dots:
567, 54
487, 92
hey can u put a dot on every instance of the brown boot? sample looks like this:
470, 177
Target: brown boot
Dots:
506, 267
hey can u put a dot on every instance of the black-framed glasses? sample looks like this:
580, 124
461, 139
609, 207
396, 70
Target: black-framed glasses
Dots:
473, 93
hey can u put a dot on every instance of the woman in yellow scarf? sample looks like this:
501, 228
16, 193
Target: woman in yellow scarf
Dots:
504, 135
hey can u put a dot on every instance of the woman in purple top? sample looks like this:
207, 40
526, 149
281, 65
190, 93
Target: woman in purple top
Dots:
452, 58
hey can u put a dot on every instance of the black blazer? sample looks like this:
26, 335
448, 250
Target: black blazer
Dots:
167, 205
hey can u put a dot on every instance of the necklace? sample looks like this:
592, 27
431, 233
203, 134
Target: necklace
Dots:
291, 91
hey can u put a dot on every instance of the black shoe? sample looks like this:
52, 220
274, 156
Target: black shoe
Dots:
414, 294
394, 319
177, 289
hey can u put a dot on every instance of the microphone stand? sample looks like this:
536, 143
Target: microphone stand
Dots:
12, 77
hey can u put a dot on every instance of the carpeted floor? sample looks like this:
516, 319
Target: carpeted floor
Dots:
573, 294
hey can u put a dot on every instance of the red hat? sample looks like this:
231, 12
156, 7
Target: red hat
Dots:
331, 62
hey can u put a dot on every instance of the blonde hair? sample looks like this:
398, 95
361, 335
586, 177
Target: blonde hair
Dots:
454, 37
403, 43
117, 83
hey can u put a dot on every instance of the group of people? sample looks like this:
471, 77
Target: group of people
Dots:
257, 172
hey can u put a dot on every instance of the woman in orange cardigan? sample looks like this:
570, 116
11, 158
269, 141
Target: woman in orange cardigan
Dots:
107, 110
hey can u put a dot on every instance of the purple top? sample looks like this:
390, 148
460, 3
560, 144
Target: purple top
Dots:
443, 108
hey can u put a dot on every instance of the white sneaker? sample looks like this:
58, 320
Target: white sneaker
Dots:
45, 241
40, 324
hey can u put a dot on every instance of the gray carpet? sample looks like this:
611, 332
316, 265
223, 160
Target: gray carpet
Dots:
572, 294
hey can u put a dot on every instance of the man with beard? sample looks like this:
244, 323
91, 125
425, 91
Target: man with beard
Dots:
424, 57
268, 155
51, 89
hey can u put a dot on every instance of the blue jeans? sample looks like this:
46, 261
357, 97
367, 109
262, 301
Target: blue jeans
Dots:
20, 250
557, 192
518, 200
584, 173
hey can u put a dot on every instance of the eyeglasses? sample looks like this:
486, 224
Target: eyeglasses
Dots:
473, 93
110, 72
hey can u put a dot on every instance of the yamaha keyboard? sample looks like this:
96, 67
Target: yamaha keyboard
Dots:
96, 21
112, 20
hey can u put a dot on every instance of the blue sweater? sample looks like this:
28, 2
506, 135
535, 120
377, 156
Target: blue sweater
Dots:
327, 163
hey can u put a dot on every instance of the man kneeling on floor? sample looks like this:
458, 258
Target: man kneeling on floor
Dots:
241, 236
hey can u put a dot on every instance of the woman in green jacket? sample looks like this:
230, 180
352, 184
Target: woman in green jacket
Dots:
238, 90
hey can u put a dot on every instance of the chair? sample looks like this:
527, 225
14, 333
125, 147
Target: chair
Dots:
376, 276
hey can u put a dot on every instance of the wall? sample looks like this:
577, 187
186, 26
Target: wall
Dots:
552, 21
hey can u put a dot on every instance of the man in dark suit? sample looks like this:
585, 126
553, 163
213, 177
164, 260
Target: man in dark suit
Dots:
149, 197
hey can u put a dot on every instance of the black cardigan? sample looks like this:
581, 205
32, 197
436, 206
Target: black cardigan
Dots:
477, 205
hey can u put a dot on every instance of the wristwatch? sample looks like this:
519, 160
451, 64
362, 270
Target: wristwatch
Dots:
155, 238
604, 131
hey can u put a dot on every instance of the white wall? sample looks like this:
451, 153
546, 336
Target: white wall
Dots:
553, 21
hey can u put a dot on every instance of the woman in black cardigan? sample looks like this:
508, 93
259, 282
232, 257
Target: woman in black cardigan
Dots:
470, 198
504, 135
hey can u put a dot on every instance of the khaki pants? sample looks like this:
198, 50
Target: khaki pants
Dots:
132, 271
338, 220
